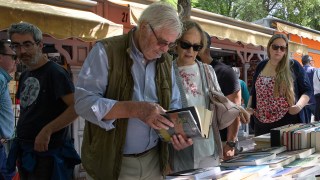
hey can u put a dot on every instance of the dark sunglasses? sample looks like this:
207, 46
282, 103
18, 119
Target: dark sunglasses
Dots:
185, 45
13, 56
276, 47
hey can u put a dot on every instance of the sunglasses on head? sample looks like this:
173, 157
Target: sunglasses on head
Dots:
185, 45
276, 47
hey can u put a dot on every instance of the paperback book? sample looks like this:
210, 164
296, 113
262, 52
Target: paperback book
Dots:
275, 150
302, 153
198, 173
251, 159
280, 161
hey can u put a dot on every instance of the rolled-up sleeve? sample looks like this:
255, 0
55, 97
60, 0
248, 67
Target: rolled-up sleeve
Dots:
91, 86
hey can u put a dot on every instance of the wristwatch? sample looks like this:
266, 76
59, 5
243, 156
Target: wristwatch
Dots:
232, 143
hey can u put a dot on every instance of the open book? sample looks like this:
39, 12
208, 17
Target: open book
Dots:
190, 122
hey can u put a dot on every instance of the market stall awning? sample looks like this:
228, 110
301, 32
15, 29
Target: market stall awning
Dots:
233, 33
59, 22
218, 29
298, 31
298, 48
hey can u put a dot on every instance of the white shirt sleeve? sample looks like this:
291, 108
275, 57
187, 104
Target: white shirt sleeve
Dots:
316, 81
91, 86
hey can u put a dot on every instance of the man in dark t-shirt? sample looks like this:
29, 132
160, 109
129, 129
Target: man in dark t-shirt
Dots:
230, 87
43, 146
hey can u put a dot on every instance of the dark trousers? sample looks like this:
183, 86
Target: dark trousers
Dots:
42, 170
4, 174
317, 108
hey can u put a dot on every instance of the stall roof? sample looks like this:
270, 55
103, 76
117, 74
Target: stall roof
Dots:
59, 22
288, 27
221, 26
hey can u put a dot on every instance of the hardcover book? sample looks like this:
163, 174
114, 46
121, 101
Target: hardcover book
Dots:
190, 122
251, 159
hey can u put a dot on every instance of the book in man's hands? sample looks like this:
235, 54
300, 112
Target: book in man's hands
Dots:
190, 122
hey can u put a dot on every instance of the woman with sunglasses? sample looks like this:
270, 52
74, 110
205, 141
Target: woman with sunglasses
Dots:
193, 87
280, 89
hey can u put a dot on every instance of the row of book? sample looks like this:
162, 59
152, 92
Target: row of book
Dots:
266, 163
297, 136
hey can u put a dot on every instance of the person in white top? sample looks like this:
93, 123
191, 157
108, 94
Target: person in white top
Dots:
316, 88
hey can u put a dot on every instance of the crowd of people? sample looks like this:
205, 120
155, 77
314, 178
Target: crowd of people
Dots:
125, 86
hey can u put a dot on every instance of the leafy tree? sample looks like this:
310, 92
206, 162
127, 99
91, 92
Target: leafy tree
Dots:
302, 12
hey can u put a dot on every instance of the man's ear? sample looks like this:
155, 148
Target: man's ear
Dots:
143, 25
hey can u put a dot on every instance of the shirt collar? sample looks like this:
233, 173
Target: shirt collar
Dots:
5, 74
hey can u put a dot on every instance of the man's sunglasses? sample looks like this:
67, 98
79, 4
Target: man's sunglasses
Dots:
13, 56
185, 45
276, 47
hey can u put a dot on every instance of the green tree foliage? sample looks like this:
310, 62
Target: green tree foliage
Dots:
302, 12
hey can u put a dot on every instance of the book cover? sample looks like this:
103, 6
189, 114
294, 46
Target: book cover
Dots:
184, 124
251, 159
275, 150
198, 173
249, 172
280, 161
311, 160
285, 172
304, 171
190, 122
302, 153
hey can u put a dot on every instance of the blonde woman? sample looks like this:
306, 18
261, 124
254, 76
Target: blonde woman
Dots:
280, 89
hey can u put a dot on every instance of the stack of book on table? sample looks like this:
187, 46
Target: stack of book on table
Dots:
264, 163
262, 141
297, 136
281, 165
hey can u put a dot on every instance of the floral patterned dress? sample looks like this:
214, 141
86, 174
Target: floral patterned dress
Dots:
269, 108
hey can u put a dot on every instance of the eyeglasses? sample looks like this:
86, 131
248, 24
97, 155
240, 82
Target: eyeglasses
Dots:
185, 45
276, 47
13, 56
27, 45
162, 42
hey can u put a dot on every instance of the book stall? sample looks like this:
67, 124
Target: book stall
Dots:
287, 152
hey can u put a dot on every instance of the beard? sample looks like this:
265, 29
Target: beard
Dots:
36, 58
33, 61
